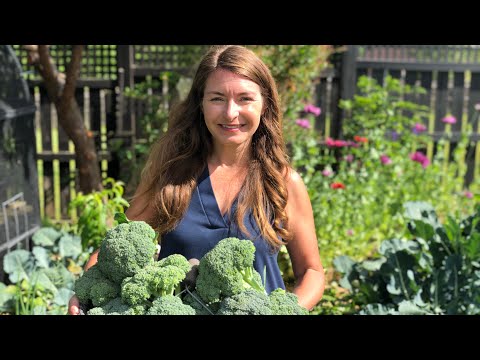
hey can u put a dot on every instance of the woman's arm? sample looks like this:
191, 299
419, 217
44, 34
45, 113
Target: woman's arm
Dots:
303, 248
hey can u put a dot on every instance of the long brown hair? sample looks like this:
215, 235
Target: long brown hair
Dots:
177, 159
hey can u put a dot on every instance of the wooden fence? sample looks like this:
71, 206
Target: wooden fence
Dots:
450, 74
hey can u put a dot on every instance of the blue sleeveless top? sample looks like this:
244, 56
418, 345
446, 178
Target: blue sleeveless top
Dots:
203, 226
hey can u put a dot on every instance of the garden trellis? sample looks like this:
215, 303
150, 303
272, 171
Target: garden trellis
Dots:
19, 213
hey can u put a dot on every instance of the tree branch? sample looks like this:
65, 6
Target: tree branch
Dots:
73, 72
49, 73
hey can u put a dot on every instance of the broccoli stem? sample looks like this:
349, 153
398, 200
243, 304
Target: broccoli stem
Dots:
249, 279
166, 291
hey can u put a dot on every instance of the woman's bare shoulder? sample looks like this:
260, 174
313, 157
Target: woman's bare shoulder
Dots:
294, 181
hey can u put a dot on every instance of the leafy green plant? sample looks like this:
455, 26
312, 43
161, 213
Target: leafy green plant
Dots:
435, 271
97, 211
41, 281
357, 195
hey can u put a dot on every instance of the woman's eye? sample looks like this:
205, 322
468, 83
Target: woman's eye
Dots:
246, 99
216, 99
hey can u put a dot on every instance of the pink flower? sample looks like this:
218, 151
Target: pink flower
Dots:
385, 160
348, 158
304, 123
327, 172
449, 119
477, 107
419, 128
349, 232
311, 109
420, 158
468, 194
336, 143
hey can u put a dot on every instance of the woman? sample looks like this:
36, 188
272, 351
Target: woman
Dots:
221, 170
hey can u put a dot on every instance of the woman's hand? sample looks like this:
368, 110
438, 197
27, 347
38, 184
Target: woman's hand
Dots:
74, 306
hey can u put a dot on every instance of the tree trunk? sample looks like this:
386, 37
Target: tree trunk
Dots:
71, 121
61, 91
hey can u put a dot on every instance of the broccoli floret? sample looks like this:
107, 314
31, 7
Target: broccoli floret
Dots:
96, 311
248, 302
155, 280
95, 287
227, 270
117, 307
170, 305
285, 303
177, 260
126, 249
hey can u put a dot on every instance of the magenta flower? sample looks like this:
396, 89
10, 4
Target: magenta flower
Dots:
311, 109
336, 143
419, 128
304, 123
449, 119
348, 158
327, 172
420, 158
468, 194
349, 232
385, 160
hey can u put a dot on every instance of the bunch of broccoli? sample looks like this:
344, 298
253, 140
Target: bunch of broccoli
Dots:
126, 280
229, 285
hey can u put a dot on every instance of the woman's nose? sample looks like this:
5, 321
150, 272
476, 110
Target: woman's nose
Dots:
232, 110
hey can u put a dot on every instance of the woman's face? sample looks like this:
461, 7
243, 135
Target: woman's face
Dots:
232, 106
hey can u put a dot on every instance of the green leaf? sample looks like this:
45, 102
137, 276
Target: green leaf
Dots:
409, 308
7, 297
40, 280
378, 309
373, 265
46, 237
70, 246
392, 246
343, 264
42, 256
19, 264
121, 218
63, 296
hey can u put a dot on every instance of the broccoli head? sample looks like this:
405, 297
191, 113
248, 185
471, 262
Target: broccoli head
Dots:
248, 302
95, 287
126, 249
227, 270
285, 303
170, 305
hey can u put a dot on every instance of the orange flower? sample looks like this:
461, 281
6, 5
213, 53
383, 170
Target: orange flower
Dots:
360, 139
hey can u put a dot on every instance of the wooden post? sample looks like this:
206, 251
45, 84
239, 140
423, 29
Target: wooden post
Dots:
347, 85
126, 76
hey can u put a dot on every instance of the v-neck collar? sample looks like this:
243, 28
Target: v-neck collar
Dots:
210, 204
